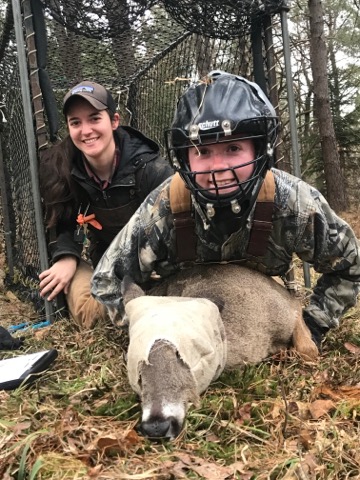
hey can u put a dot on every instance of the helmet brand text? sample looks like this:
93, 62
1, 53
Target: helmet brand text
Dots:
207, 125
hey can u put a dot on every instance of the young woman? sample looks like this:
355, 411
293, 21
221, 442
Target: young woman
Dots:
92, 183
221, 143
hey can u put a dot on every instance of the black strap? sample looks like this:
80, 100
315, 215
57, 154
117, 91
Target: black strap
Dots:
261, 229
262, 221
184, 225
184, 222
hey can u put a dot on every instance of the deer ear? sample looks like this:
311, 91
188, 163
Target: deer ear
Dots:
130, 290
219, 301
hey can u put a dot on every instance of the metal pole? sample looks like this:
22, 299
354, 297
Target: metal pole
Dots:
30, 138
292, 116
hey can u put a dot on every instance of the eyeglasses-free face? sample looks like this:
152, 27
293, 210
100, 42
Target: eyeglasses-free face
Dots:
91, 131
219, 167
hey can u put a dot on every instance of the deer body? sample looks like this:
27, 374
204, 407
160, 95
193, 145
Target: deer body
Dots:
259, 317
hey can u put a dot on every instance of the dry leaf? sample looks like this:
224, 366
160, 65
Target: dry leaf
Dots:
352, 348
7, 476
118, 443
299, 409
306, 439
206, 470
239, 467
244, 413
212, 471
346, 391
278, 407
132, 438
110, 444
19, 427
309, 463
10, 296
211, 437
320, 408
94, 472
41, 333
70, 420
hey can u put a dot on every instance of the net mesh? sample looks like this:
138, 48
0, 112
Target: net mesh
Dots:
223, 19
17, 200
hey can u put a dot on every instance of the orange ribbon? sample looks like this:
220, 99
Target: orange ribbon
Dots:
81, 220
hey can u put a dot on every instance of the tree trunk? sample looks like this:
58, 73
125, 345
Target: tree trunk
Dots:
122, 45
68, 48
335, 184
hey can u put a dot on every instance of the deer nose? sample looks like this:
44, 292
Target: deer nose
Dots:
160, 428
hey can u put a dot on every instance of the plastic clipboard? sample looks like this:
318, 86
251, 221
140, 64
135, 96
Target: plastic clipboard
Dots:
24, 369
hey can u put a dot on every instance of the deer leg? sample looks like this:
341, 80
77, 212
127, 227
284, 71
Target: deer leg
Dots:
302, 340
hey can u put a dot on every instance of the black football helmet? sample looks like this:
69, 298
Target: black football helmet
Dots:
217, 110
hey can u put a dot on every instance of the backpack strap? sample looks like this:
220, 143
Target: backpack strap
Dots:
262, 221
184, 222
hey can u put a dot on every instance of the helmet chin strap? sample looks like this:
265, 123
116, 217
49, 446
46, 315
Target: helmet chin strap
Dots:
234, 204
207, 214
235, 207
200, 212
210, 210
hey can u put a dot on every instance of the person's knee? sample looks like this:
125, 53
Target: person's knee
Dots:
85, 310
89, 313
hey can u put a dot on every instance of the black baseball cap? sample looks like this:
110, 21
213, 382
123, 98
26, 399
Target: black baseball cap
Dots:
97, 95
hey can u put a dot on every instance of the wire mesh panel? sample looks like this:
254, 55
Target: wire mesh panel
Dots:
152, 94
19, 192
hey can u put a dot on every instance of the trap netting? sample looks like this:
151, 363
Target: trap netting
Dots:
18, 232
145, 52
223, 19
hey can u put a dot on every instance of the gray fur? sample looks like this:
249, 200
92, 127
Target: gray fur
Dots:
259, 317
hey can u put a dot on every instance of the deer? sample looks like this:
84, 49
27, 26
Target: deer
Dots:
194, 324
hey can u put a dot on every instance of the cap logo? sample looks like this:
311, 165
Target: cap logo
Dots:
207, 125
82, 88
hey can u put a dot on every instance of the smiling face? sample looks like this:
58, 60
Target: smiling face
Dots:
219, 167
91, 131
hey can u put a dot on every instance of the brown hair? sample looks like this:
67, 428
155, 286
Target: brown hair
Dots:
56, 185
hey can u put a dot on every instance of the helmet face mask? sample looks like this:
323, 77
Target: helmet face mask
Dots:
227, 110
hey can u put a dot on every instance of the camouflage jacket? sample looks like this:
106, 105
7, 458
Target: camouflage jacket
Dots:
303, 224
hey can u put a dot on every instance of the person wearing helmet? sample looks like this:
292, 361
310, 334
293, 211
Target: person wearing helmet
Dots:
228, 109
221, 143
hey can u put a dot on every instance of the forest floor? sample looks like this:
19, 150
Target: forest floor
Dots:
282, 419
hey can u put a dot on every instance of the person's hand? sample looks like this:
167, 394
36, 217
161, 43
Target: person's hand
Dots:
58, 277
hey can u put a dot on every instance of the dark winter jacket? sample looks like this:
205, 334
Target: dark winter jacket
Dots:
141, 169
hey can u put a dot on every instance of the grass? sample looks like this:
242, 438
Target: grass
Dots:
282, 419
